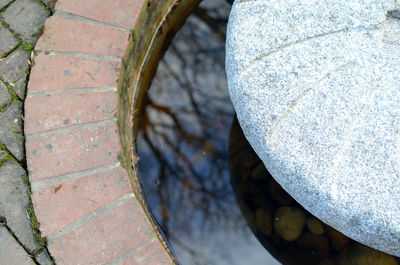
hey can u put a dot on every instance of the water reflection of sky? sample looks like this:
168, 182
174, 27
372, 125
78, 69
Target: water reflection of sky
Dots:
183, 148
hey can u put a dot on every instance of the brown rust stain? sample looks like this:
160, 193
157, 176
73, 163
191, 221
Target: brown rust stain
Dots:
56, 189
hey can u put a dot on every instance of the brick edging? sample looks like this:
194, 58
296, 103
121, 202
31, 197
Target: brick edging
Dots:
81, 194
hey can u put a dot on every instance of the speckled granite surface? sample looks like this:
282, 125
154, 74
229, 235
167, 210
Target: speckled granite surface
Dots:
316, 86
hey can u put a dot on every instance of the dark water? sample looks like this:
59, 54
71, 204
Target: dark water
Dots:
274, 217
206, 187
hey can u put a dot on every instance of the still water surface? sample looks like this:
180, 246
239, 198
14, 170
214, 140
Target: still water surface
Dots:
204, 184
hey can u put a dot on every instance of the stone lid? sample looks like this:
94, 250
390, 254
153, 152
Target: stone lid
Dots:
316, 87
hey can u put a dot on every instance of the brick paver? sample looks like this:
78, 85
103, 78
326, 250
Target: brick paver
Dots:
70, 151
149, 254
68, 109
108, 236
82, 196
69, 201
65, 35
65, 72
122, 13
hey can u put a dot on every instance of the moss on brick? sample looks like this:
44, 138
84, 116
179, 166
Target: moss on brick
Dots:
157, 24
35, 224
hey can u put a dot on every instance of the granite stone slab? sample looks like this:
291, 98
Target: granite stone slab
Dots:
11, 130
10, 251
316, 87
2, 155
14, 69
5, 96
3, 3
26, 17
7, 41
13, 203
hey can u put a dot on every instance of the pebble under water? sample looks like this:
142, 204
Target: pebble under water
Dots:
208, 190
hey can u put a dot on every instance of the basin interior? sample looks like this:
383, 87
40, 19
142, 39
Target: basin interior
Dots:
208, 193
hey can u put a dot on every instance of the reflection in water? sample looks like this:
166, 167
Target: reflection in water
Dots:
185, 165
183, 148
292, 234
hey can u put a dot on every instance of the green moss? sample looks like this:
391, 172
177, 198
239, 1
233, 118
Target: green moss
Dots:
3, 220
42, 3
35, 225
4, 24
12, 31
27, 46
6, 154
32, 216
15, 97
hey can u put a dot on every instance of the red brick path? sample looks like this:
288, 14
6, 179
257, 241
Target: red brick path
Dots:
81, 195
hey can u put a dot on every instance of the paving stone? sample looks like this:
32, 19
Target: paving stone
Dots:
2, 155
11, 252
50, 3
26, 17
5, 96
13, 201
7, 41
13, 69
11, 129
44, 258
4, 3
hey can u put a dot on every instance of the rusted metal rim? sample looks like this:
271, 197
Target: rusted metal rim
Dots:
150, 38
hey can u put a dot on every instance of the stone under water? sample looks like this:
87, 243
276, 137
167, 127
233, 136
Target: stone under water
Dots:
316, 88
